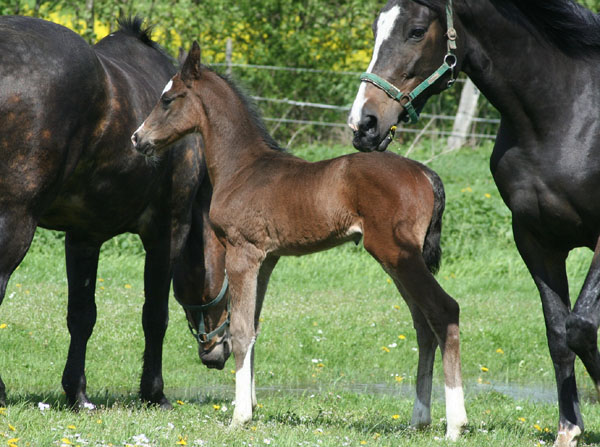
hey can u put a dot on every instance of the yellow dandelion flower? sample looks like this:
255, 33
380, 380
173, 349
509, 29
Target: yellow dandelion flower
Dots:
376, 436
98, 421
100, 279
537, 427
3, 326
396, 416
402, 337
72, 427
181, 441
398, 379
385, 349
499, 351
11, 427
320, 365
253, 428
484, 369
66, 441
217, 407
389, 281
396, 307
128, 286
487, 195
12, 442
363, 442
259, 405
2, 411
522, 419
180, 402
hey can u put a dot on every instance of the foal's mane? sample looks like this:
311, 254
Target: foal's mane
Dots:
252, 109
567, 25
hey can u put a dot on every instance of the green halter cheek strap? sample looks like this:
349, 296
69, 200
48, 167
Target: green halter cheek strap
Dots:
200, 334
406, 100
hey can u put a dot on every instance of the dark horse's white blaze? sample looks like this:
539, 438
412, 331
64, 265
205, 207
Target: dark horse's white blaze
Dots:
267, 203
385, 27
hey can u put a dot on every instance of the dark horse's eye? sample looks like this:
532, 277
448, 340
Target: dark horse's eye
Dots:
166, 101
417, 33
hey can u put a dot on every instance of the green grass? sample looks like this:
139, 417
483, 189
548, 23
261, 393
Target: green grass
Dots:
323, 370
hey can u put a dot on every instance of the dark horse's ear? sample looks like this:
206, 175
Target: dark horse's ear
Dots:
191, 66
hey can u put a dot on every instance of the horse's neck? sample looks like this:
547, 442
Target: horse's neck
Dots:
524, 78
232, 141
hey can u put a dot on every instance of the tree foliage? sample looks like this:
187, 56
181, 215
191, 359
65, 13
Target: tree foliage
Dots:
330, 35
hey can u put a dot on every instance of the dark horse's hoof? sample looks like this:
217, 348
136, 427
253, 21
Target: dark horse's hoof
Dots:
162, 403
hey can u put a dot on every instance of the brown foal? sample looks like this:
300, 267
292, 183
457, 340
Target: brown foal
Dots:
268, 203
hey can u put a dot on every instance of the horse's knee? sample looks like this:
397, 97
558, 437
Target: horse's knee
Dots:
581, 334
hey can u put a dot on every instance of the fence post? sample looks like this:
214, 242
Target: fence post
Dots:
228, 52
464, 117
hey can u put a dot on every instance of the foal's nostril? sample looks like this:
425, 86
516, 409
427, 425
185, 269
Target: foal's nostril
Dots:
134, 138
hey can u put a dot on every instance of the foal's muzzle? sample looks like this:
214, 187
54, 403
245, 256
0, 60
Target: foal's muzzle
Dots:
143, 146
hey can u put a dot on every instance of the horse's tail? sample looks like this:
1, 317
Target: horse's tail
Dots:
432, 249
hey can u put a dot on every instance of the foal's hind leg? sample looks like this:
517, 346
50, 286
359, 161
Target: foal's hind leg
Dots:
427, 343
441, 312
82, 264
16, 232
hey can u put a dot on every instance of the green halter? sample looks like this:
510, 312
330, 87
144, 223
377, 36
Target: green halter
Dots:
200, 334
406, 100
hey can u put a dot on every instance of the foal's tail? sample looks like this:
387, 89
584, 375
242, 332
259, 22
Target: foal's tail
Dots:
432, 249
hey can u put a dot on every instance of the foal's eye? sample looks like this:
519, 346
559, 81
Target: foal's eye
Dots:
417, 33
167, 100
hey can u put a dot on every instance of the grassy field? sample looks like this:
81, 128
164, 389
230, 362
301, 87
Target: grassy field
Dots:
336, 359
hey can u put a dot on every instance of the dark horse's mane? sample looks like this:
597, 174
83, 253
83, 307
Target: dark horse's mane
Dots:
566, 24
255, 115
133, 26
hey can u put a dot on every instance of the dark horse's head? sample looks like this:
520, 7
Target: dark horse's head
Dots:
411, 45
201, 287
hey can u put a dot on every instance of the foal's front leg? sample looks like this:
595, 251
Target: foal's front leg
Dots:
243, 279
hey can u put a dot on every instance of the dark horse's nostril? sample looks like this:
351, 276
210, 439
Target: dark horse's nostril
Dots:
367, 124
134, 138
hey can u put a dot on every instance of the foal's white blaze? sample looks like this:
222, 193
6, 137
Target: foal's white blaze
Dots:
385, 26
456, 415
243, 389
139, 129
167, 87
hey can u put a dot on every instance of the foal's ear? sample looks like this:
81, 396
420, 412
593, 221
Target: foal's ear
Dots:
191, 66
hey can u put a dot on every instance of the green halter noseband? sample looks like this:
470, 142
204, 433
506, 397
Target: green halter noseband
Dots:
406, 100
197, 311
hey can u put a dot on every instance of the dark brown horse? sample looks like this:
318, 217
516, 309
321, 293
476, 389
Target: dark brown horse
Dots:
68, 111
538, 62
267, 203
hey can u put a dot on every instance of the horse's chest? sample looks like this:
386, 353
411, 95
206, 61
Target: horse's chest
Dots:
549, 205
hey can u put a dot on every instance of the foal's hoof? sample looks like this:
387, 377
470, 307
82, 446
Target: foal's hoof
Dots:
240, 421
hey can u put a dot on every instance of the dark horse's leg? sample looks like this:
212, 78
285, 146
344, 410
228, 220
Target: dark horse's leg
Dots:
17, 228
82, 264
155, 316
582, 324
547, 267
